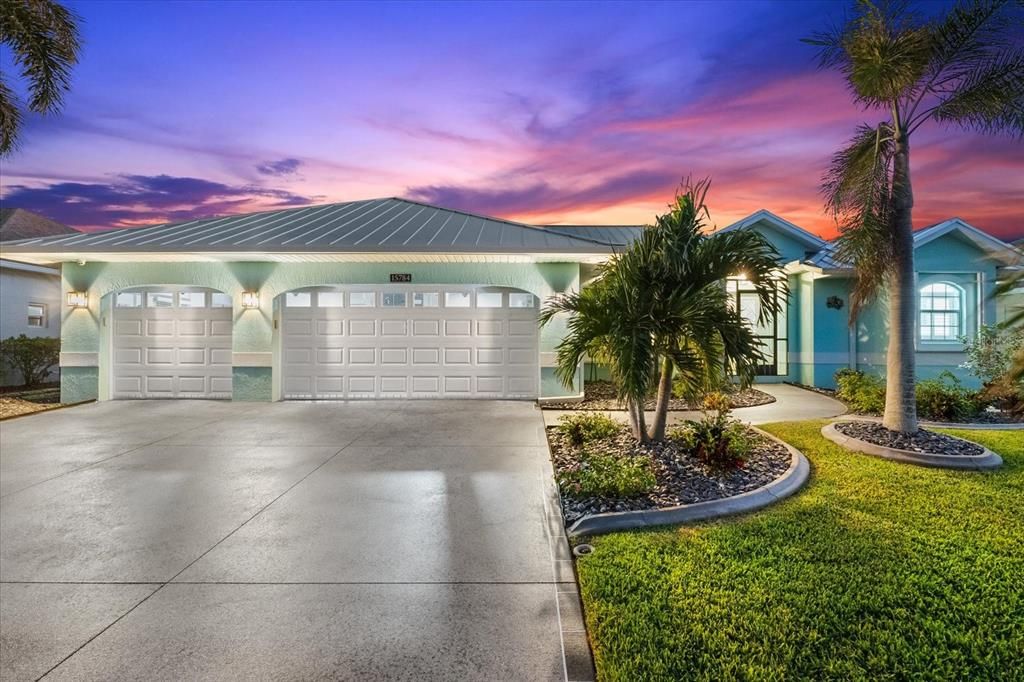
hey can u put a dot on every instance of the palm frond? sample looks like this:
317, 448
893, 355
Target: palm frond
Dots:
989, 99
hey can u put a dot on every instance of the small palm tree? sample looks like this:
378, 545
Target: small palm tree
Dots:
964, 70
660, 311
44, 40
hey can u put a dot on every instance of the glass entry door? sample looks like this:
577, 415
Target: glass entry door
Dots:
770, 331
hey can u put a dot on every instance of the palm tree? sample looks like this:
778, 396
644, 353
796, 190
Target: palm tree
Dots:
964, 70
44, 40
660, 309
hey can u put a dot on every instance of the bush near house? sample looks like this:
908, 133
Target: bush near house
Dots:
716, 439
583, 428
990, 357
606, 475
943, 398
32, 357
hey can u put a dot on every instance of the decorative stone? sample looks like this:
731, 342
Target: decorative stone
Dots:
930, 449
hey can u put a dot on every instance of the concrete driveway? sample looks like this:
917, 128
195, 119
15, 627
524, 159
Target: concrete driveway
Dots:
376, 540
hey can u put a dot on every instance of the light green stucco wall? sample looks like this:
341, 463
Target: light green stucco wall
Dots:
253, 329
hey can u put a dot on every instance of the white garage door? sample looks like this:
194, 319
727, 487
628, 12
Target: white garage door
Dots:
172, 343
409, 342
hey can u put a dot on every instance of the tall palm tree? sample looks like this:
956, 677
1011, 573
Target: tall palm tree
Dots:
44, 40
660, 310
964, 70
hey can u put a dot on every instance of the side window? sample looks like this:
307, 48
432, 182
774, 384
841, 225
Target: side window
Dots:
36, 315
941, 312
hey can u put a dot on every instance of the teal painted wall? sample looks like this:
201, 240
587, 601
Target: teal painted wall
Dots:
789, 248
253, 329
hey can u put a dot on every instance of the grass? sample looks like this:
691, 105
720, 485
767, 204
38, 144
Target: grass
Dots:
877, 570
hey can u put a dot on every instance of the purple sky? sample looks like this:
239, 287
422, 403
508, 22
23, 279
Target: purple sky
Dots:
546, 112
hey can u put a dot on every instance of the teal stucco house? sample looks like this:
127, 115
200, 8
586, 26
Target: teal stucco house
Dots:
389, 298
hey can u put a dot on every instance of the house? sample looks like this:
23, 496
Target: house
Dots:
29, 293
390, 298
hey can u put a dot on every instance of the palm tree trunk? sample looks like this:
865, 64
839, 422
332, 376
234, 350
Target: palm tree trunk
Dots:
664, 395
637, 421
900, 401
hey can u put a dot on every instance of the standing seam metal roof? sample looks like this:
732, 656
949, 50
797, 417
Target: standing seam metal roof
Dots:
370, 225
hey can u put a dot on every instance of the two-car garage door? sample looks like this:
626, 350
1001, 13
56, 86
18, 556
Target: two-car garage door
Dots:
409, 342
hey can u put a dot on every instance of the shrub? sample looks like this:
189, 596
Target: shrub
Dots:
585, 427
33, 357
990, 352
944, 399
716, 440
863, 393
608, 476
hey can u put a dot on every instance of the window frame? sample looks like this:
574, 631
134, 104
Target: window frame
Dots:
43, 316
959, 311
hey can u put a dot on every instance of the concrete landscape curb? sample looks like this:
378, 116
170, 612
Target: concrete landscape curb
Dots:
792, 480
987, 460
967, 426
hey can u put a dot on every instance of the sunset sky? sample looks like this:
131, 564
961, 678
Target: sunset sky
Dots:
545, 113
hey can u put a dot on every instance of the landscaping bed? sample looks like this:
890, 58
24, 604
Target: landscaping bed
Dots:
614, 473
926, 442
600, 396
874, 571
16, 402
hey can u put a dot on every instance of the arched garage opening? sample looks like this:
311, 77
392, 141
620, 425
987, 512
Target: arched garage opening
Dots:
408, 341
170, 342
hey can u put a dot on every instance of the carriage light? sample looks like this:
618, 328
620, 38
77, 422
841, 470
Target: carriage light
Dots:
250, 299
78, 299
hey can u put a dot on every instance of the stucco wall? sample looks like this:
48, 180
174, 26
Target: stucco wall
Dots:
253, 329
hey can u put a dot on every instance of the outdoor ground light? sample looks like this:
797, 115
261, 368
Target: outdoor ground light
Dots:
250, 299
78, 299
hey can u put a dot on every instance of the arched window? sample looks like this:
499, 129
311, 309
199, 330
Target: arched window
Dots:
941, 312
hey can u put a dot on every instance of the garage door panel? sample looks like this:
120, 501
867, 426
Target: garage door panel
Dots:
397, 352
170, 351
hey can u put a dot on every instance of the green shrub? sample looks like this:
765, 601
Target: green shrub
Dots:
608, 476
715, 440
33, 357
944, 399
585, 427
863, 393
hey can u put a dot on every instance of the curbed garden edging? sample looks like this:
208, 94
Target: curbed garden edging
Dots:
987, 460
782, 487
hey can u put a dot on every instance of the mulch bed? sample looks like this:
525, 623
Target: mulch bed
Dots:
681, 478
927, 442
15, 407
600, 395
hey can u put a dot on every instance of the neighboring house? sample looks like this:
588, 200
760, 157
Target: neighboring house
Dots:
30, 294
391, 298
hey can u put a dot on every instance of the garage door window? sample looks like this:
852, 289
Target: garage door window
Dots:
361, 299
488, 299
393, 299
128, 299
191, 299
159, 299
456, 299
330, 299
219, 300
520, 300
425, 300
298, 299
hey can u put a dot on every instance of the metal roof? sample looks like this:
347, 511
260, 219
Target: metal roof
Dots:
618, 235
369, 226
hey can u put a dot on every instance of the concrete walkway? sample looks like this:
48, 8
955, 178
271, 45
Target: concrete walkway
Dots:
791, 404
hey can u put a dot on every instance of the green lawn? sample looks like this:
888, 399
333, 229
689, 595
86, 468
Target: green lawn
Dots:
876, 570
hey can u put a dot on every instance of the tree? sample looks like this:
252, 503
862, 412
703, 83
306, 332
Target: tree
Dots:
964, 70
44, 40
34, 357
660, 310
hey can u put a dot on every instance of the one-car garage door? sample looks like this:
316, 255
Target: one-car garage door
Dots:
409, 342
171, 343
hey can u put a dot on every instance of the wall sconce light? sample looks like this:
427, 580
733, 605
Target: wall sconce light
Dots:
250, 299
78, 299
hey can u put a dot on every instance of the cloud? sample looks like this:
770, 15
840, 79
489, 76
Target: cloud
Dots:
144, 199
280, 167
